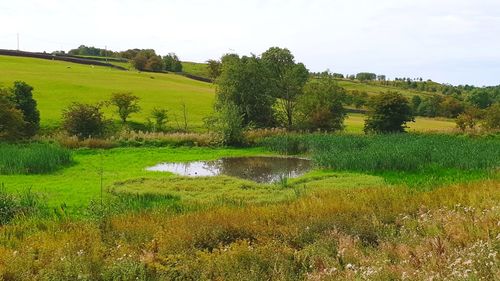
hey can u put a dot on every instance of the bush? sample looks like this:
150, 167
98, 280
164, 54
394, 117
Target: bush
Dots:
388, 113
11, 119
492, 117
227, 125
84, 120
36, 158
160, 118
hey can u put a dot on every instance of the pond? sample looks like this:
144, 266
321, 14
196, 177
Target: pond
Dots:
258, 169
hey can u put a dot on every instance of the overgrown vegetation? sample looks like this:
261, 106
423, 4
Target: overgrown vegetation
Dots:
375, 234
38, 158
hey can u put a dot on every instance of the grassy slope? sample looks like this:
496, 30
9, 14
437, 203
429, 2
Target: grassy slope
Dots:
57, 84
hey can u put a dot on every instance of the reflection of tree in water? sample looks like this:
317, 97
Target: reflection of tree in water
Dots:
260, 169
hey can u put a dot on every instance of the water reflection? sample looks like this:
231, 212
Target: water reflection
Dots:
259, 169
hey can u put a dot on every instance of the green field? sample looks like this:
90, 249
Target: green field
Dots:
57, 84
195, 68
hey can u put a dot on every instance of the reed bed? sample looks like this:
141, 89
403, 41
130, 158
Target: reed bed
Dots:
35, 158
398, 152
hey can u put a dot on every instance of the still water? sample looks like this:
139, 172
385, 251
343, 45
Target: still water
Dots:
258, 169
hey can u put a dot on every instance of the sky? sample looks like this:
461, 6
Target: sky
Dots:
448, 41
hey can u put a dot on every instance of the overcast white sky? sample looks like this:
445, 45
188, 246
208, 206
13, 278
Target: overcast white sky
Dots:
452, 41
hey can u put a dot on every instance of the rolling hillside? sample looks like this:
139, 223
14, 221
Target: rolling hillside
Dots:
57, 84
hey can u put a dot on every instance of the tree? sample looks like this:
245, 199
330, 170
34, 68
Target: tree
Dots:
388, 113
320, 106
126, 104
366, 76
244, 82
22, 97
214, 68
84, 120
415, 103
140, 61
483, 98
469, 118
172, 63
288, 79
450, 107
160, 117
154, 63
11, 118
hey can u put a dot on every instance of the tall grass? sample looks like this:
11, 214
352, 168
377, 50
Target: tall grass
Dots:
399, 152
36, 158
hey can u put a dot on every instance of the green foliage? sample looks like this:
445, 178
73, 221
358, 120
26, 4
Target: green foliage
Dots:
125, 104
154, 63
356, 98
140, 61
22, 97
484, 98
469, 119
172, 63
84, 120
244, 82
320, 106
287, 81
160, 118
37, 158
388, 113
11, 118
366, 76
492, 117
214, 68
227, 125
392, 152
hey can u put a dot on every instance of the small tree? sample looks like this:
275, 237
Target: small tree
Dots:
126, 104
11, 118
22, 97
84, 120
160, 118
388, 113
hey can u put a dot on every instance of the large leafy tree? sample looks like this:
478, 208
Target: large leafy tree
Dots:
244, 82
321, 105
288, 79
172, 63
22, 97
388, 113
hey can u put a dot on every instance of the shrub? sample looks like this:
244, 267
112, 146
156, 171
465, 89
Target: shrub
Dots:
160, 118
11, 119
492, 117
84, 120
126, 104
388, 113
227, 125
36, 158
